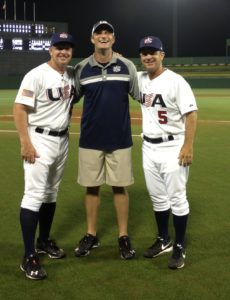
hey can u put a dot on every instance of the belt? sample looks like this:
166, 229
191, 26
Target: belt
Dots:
51, 132
158, 140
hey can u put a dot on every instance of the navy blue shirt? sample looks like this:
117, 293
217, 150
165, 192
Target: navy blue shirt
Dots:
105, 123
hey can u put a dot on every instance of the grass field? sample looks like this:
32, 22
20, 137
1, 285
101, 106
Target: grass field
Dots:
103, 275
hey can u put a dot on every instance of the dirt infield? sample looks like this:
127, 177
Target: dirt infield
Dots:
6, 118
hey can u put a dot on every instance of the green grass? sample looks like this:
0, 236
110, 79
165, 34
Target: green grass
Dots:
103, 275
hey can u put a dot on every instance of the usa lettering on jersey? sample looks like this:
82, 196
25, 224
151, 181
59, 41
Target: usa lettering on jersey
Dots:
151, 100
60, 93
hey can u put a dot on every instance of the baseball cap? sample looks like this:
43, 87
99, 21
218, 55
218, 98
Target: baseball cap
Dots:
150, 42
102, 25
62, 37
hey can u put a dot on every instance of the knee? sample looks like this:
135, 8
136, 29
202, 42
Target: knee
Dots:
50, 196
33, 204
33, 200
160, 202
118, 190
180, 208
93, 190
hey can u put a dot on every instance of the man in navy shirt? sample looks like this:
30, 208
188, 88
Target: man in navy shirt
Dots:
106, 81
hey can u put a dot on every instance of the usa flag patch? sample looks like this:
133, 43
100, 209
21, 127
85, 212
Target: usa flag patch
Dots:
27, 93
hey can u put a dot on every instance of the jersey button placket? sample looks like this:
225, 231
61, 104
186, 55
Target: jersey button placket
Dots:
104, 74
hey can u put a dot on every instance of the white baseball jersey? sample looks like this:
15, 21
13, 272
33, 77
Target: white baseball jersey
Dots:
50, 96
164, 101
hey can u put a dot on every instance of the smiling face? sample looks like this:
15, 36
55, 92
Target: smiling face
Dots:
61, 55
152, 59
103, 40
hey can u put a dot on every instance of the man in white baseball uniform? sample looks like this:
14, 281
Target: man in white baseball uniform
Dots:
42, 112
169, 114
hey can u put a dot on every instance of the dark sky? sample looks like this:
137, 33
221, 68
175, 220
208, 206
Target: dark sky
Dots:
202, 25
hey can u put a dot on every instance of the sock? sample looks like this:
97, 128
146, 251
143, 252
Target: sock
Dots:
180, 225
29, 221
162, 219
46, 215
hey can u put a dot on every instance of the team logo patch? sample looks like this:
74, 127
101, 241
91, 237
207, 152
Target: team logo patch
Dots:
63, 35
117, 69
148, 40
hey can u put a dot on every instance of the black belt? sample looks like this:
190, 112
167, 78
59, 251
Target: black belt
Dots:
51, 132
158, 140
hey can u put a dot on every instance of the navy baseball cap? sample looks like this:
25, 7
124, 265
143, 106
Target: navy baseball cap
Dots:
62, 37
150, 42
102, 25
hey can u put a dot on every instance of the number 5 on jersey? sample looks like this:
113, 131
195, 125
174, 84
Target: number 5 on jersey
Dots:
162, 117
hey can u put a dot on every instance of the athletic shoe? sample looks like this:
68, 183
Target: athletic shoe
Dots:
32, 268
125, 247
87, 243
178, 256
49, 247
159, 247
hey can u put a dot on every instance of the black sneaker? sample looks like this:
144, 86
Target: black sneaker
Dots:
87, 243
159, 247
178, 256
32, 268
125, 247
50, 247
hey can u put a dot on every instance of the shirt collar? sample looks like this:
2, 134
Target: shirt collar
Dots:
94, 63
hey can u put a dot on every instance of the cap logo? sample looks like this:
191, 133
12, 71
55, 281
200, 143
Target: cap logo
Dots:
148, 40
63, 35
103, 22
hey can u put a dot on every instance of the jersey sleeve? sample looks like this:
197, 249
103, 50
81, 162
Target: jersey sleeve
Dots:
27, 92
185, 97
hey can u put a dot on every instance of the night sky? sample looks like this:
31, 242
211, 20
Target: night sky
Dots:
201, 29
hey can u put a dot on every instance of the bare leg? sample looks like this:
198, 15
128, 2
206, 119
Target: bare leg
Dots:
121, 203
92, 204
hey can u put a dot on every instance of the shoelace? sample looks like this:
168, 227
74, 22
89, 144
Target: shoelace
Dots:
34, 263
177, 252
86, 241
126, 244
52, 244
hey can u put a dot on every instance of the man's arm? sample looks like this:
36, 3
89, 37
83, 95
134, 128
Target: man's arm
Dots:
134, 91
186, 152
28, 151
78, 87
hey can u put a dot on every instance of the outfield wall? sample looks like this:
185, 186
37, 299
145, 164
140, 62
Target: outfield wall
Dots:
13, 82
200, 72
14, 65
